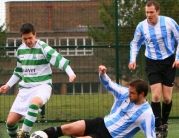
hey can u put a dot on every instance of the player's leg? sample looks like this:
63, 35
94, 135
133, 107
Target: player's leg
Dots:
167, 88
167, 103
76, 128
11, 124
156, 90
154, 74
39, 97
15, 114
89, 128
31, 117
166, 108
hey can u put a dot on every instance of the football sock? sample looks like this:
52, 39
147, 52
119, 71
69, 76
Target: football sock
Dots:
59, 131
30, 118
53, 132
166, 108
156, 107
12, 130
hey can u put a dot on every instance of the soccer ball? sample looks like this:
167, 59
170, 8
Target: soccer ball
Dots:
38, 134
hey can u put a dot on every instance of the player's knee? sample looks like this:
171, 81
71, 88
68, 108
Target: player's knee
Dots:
167, 101
11, 121
66, 128
155, 98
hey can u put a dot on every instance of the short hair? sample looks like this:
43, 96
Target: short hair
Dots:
152, 2
140, 86
27, 28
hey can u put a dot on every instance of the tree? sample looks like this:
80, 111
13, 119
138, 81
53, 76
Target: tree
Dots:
130, 13
2, 35
105, 35
3, 57
170, 8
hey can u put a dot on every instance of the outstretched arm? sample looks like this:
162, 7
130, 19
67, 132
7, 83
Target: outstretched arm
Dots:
110, 86
102, 69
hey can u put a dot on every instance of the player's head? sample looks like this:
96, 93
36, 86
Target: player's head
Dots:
154, 3
138, 89
27, 28
28, 34
152, 10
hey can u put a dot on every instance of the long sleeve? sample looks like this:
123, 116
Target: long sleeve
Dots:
14, 79
17, 74
55, 58
69, 71
112, 87
175, 29
148, 125
136, 43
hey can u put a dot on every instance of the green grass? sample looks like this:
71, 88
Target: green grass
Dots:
173, 129
68, 108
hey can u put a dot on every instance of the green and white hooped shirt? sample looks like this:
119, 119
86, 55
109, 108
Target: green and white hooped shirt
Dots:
33, 65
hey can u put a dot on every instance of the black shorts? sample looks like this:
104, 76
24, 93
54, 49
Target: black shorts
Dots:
161, 71
96, 128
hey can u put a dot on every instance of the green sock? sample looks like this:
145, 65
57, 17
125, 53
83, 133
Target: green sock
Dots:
30, 118
12, 130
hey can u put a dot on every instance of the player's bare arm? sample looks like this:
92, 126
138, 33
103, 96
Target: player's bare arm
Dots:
4, 88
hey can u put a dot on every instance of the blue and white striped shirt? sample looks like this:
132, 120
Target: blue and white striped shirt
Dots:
159, 39
127, 118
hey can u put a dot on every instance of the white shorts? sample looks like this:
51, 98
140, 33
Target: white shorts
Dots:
25, 95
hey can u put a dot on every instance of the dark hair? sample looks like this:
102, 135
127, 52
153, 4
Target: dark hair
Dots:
140, 85
27, 28
152, 2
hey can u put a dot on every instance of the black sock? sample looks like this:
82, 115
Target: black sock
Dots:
53, 132
59, 131
166, 108
156, 107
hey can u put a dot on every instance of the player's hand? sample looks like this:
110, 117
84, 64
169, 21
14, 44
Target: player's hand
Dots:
72, 78
102, 69
175, 64
132, 65
4, 88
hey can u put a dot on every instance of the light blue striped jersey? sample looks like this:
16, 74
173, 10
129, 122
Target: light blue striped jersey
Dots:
127, 118
33, 64
159, 39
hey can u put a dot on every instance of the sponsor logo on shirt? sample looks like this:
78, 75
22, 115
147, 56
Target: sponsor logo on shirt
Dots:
29, 71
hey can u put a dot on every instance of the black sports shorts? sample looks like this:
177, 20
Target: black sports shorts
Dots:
161, 71
96, 128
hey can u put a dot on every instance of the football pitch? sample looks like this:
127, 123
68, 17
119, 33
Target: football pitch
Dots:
63, 107
173, 129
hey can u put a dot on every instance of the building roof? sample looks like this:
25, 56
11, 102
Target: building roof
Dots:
42, 0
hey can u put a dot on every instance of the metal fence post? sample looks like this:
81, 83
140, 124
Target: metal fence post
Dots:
42, 112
